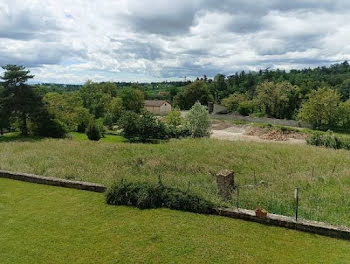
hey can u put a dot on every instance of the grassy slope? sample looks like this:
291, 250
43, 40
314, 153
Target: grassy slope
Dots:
323, 196
45, 224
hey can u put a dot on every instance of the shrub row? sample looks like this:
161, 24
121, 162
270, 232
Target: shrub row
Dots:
147, 195
329, 141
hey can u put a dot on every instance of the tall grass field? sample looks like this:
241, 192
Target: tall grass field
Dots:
322, 175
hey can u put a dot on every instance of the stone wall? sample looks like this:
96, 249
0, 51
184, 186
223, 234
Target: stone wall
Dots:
53, 181
287, 222
249, 215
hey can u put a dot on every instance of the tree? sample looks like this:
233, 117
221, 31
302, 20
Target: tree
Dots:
322, 109
93, 131
344, 89
232, 102
344, 115
279, 100
19, 99
15, 75
83, 118
115, 108
4, 116
130, 125
196, 91
220, 87
198, 121
174, 118
97, 96
142, 127
133, 100
66, 108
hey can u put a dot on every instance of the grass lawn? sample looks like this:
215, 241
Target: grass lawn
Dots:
321, 174
46, 224
106, 138
16, 136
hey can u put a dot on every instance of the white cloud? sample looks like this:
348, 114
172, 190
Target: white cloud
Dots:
72, 41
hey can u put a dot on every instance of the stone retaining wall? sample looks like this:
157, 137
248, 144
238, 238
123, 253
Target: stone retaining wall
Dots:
53, 181
249, 215
288, 222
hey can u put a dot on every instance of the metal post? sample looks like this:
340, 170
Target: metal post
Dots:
296, 196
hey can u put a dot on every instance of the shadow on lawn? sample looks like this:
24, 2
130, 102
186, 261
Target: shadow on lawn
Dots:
16, 136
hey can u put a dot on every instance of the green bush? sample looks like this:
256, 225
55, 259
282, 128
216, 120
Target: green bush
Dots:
198, 121
142, 127
93, 132
178, 132
45, 125
129, 123
146, 195
49, 128
328, 140
245, 108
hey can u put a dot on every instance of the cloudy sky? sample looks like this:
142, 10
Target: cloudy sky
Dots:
71, 41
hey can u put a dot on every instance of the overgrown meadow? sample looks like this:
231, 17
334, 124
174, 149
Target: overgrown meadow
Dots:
321, 174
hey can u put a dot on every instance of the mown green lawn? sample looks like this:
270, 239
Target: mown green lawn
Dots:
46, 224
321, 174
106, 138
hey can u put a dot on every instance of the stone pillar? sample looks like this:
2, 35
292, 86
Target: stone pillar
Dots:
210, 107
226, 183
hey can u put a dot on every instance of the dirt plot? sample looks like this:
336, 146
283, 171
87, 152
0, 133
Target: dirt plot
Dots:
223, 129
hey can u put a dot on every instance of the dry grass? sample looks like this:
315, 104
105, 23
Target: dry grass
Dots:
324, 193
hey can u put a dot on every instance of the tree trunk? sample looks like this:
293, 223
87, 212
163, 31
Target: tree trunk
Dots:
1, 131
24, 125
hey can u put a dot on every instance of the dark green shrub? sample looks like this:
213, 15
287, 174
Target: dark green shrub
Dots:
130, 125
178, 132
245, 108
46, 126
329, 141
150, 128
142, 127
93, 132
146, 195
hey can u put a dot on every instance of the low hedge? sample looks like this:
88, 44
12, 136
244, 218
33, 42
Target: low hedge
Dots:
329, 141
147, 195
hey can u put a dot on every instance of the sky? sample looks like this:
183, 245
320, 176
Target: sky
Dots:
72, 41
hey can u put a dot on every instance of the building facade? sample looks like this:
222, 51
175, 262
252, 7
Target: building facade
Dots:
158, 107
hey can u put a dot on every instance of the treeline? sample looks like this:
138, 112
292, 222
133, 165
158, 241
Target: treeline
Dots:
154, 90
318, 96
93, 109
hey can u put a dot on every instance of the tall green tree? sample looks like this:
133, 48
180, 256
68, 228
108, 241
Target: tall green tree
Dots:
19, 99
198, 121
133, 99
4, 116
322, 110
21, 102
193, 92
279, 100
97, 96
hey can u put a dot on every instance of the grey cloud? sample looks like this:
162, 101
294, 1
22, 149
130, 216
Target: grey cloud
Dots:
241, 35
139, 50
25, 24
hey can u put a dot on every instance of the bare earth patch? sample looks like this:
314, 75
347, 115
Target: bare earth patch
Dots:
225, 130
